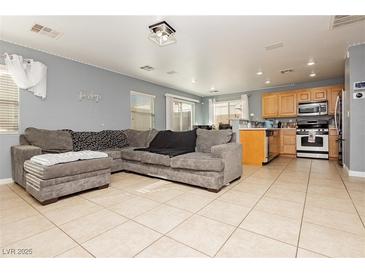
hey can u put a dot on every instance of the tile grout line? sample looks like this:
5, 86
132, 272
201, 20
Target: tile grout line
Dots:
352, 201
305, 201
250, 210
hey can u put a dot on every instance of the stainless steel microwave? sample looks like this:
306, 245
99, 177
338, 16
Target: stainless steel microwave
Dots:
313, 108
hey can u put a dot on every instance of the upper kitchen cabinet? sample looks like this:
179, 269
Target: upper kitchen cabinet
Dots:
287, 104
303, 95
269, 105
319, 94
332, 94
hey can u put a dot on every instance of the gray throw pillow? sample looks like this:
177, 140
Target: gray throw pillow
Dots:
140, 138
208, 138
56, 141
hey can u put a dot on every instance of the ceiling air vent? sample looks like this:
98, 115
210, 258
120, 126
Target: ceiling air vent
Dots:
274, 46
37, 28
285, 71
214, 91
341, 20
171, 72
147, 68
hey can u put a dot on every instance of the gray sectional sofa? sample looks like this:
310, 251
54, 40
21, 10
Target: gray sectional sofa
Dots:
216, 162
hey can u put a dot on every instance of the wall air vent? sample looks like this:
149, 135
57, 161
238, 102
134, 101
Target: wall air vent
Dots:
285, 71
341, 20
40, 29
274, 46
147, 68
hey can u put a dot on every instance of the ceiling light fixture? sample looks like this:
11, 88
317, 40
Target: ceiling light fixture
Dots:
267, 82
259, 72
311, 63
162, 34
312, 74
193, 81
212, 88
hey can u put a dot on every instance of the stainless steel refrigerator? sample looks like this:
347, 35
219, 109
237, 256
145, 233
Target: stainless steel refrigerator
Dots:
339, 118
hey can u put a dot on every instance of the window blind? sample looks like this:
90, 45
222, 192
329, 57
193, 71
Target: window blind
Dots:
9, 103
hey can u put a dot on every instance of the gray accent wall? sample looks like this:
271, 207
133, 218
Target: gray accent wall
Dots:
62, 108
254, 96
356, 158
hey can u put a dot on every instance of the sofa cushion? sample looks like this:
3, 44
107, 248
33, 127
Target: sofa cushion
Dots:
115, 154
67, 169
156, 159
198, 161
128, 153
49, 140
102, 140
140, 138
208, 138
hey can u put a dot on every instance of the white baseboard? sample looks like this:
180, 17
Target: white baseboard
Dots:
353, 173
6, 181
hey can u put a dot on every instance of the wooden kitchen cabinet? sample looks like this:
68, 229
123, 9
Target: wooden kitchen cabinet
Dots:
303, 96
318, 94
287, 104
333, 144
332, 94
269, 105
284, 104
288, 141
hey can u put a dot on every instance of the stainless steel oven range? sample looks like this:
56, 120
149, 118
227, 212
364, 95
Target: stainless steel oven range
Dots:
312, 138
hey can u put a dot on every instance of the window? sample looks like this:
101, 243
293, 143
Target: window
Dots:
9, 103
226, 110
180, 112
183, 113
142, 111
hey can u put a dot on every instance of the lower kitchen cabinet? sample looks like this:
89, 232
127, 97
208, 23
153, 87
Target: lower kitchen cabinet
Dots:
288, 141
333, 144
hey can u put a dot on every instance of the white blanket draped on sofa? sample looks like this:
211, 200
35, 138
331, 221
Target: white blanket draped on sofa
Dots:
27, 74
72, 156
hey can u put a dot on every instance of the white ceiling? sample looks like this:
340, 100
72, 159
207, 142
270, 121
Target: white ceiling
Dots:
220, 51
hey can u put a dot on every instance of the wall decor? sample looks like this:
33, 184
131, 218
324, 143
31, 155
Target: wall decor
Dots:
89, 96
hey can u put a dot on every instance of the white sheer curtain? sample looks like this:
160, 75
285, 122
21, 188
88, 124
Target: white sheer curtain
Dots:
211, 111
245, 110
27, 74
169, 112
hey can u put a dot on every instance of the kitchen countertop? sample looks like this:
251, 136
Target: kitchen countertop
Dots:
259, 128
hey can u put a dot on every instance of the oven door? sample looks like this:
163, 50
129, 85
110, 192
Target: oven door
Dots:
320, 143
309, 109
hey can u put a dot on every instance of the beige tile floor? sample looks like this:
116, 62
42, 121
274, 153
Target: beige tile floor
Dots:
289, 208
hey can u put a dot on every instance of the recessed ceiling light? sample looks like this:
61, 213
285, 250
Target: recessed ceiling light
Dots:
193, 81
212, 88
267, 82
312, 74
311, 63
259, 72
147, 68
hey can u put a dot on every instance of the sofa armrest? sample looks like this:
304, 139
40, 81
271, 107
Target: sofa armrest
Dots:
19, 154
231, 154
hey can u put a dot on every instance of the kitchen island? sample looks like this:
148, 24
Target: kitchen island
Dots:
259, 145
